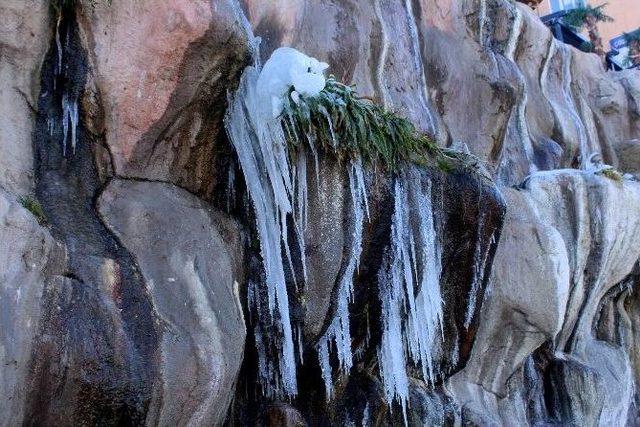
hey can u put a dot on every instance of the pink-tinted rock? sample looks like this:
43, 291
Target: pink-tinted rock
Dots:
162, 71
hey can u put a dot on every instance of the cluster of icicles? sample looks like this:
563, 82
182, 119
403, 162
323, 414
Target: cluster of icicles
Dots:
411, 319
69, 119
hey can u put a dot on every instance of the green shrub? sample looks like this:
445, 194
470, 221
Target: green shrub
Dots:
338, 121
577, 18
612, 174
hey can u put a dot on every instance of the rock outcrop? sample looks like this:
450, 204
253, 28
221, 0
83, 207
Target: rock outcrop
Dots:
91, 334
159, 76
191, 260
561, 242
24, 39
30, 258
130, 254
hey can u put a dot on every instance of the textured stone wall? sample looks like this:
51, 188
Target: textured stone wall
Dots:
128, 303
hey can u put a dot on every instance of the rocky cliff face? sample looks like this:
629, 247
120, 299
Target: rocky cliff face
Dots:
132, 247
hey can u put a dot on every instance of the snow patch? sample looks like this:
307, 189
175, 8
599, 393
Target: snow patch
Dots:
289, 68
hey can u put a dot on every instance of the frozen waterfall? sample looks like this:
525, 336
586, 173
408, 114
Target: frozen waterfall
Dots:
277, 188
410, 290
261, 148
277, 185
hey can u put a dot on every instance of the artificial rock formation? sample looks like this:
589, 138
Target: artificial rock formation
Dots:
26, 32
127, 302
196, 264
558, 239
31, 258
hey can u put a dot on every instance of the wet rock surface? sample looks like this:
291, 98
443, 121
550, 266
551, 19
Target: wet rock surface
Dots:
97, 322
127, 303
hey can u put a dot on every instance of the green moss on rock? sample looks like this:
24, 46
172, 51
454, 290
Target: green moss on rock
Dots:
34, 207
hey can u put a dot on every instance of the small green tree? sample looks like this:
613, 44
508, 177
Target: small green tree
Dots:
588, 17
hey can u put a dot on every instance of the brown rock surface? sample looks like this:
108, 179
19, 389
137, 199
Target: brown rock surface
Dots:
29, 257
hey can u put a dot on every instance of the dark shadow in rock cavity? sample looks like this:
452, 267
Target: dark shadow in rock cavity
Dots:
94, 359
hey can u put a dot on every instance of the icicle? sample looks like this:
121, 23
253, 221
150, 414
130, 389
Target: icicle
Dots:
266, 369
261, 149
427, 321
338, 331
418, 64
455, 354
478, 273
58, 69
69, 118
366, 416
362, 188
391, 355
325, 113
300, 345
411, 321
325, 366
231, 187
301, 194
73, 115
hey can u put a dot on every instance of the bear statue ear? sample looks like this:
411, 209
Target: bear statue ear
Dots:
316, 66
